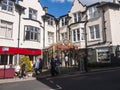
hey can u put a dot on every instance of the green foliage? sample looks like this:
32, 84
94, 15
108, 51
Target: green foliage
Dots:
26, 60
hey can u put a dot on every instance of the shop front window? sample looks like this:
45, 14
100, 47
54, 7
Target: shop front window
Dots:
103, 55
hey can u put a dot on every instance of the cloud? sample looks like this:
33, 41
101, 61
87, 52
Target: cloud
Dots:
61, 1
82, 1
70, 0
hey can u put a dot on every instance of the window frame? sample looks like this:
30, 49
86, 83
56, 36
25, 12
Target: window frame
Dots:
92, 12
7, 5
8, 27
77, 17
50, 37
94, 33
32, 32
32, 14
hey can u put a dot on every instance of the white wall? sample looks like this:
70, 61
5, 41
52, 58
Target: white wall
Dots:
115, 26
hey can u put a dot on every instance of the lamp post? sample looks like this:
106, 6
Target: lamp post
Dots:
68, 27
86, 48
44, 19
68, 19
57, 32
20, 11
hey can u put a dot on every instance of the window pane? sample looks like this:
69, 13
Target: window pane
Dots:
78, 34
97, 31
92, 32
82, 34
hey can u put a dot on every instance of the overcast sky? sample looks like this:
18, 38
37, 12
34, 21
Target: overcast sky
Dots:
61, 7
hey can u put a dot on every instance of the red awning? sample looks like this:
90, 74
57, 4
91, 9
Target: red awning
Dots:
22, 51
62, 47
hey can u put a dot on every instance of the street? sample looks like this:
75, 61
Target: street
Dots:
102, 80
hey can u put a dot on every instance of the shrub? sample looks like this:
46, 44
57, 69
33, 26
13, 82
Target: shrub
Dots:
26, 59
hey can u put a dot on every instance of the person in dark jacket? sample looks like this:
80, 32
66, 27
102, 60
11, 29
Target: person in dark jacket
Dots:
85, 58
23, 68
53, 67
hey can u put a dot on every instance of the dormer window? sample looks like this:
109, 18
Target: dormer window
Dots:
77, 17
32, 14
93, 12
63, 21
7, 5
50, 21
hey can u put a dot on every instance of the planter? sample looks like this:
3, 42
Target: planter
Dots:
7, 73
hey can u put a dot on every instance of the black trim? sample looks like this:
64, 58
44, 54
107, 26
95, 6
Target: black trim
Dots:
32, 20
76, 23
19, 7
109, 4
93, 5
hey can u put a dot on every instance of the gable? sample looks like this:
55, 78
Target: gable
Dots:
77, 6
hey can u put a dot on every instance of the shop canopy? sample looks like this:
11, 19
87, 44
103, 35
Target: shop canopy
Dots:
63, 47
22, 51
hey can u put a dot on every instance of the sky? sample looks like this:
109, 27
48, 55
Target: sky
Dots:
59, 8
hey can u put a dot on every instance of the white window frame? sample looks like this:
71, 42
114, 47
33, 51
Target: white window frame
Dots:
63, 21
50, 21
50, 37
94, 31
82, 34
92, 12
77, 17
7, 5
64, 35
32, 14
7, 28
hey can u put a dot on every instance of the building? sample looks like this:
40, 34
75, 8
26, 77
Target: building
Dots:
95, 27
22, 28
27, 29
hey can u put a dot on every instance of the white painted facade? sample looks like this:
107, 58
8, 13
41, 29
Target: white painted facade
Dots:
25, 20
73, 29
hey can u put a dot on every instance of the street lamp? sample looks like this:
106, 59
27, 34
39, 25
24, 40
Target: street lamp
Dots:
68, 19
68, 27
20, 11
86, 48
57, 32
44, 19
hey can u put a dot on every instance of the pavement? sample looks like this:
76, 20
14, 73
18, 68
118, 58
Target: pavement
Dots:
64, 71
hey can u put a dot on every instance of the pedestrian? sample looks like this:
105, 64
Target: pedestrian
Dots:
41, 65
23, 70
36, 66
85, 58
81, 63
53, 67
66, 61
17, 70
57, 62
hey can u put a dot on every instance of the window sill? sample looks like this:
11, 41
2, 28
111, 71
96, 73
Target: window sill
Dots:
7, 12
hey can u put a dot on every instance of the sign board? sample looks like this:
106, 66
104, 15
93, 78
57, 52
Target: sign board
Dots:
5, 49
